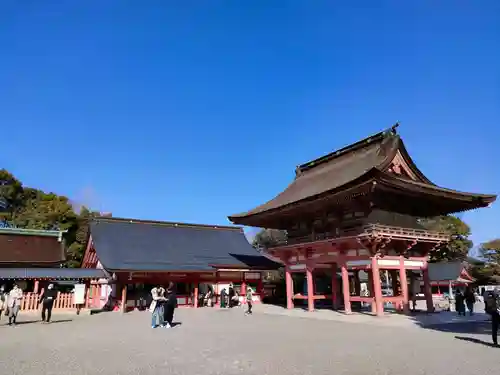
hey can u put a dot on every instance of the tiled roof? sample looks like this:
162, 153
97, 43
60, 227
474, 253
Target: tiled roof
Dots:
362, 164
52, 273
18, 246
450, 271
128, 244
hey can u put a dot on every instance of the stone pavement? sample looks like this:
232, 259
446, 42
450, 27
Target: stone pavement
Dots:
419, 319
212, 341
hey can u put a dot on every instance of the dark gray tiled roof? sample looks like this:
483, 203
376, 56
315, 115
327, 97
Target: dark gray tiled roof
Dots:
127, 244
52, 273
445, 271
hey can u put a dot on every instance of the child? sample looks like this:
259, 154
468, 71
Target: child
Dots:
248, 297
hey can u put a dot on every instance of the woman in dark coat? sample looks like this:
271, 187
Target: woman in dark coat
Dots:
170, 305
470, 299
460, 303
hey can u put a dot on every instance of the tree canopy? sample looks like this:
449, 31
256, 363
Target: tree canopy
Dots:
489, 268
266, 238
459, 246
30, 208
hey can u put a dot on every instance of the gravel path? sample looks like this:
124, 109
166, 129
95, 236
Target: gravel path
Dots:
211, 341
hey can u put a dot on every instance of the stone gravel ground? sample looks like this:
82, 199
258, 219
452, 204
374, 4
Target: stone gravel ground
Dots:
212, 341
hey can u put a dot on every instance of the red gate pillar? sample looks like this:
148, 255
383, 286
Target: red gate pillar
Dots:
124, 298
195, 295
346, 289
377, 287
243, 292
36, 286
289, 288
404, 285
334, 286
428, 290
310, 289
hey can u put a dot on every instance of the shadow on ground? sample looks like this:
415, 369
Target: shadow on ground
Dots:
477, 341
24, 322
479, 330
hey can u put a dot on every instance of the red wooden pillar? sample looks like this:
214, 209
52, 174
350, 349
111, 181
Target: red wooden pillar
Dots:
334, 286
345, 288
289, 288
94, 296
243, 291
404, 285
310, 289
36, 286
428, 290
124, 298
377, 287
195, 297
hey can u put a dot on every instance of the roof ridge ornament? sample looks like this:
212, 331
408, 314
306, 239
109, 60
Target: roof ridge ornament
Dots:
394, 127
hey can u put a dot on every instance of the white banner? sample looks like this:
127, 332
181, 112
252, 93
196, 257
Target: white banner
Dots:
79, 294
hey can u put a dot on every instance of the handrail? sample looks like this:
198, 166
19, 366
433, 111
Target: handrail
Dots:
372, 230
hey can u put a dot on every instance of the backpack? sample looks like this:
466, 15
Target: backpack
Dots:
491, 304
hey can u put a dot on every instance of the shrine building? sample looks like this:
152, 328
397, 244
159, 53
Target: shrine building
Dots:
140, 254
358, 209
33, 259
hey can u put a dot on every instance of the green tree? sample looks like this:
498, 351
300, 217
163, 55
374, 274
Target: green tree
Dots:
11, 191
78, 237
268, 238
489, 270
31, 208
459, 246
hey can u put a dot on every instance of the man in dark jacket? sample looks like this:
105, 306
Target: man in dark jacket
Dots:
170, 305
231, 295
47, 300
492, 307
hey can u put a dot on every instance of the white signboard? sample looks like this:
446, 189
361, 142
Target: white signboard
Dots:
79, 294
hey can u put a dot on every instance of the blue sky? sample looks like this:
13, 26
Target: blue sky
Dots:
190, 110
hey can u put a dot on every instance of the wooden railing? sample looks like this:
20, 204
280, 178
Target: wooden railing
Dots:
30, 301
369, 230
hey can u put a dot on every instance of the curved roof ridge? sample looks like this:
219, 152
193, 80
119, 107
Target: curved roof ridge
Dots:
378, 137
167, 223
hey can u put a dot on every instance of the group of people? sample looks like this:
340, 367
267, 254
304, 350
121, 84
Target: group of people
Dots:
163, 306
10, 302
233, 298
467, 298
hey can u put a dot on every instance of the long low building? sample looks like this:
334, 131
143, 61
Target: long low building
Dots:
139, 254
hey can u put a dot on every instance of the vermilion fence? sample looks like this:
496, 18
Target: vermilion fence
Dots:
31, 300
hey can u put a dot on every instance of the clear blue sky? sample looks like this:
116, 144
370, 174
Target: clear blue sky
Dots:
178, 111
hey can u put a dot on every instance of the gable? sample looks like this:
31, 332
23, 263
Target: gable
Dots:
403, 166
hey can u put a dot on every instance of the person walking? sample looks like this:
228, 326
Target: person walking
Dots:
223, 298
248, 296
3, 301
470, 299
47, 300
170, 305
460, 303
492, 307
231, 296
156, 307
14, 303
